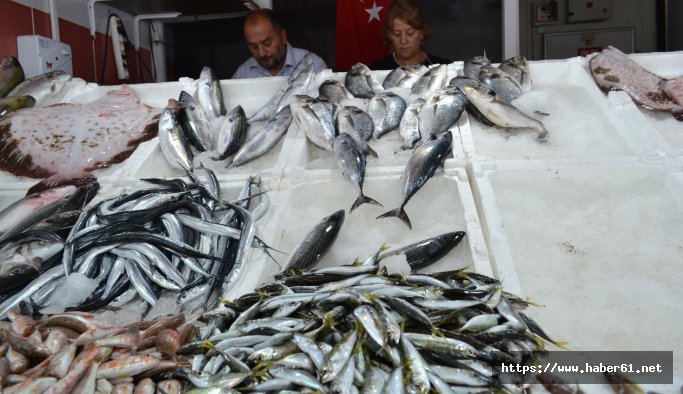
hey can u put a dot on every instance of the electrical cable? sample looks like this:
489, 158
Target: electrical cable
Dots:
151, 53
106, 47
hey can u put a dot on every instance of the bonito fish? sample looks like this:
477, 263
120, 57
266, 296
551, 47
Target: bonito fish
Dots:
351, 161
420, 167
69, 140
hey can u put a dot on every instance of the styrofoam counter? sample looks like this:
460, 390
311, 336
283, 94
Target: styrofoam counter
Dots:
661, 127
580, 121
598, 243
443, 205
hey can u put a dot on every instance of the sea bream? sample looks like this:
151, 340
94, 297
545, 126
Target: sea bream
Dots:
69, 140
518, 68
614, 70
357, 123
473, 65
404, 76
334, 91
420, 167
361, 82
315, 116
505, 86
386, 110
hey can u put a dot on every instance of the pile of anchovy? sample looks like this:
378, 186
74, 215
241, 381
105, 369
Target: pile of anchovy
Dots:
350, 329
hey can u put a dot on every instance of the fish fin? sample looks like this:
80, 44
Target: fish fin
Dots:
356, 262
230, 164
362, 199
369, 151
398, 213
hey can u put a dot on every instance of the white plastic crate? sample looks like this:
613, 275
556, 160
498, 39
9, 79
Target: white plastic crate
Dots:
598, 238
580, 121
443, 205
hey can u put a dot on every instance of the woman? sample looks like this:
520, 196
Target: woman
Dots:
405, 30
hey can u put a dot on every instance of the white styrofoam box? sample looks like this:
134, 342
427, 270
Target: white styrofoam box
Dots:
444, 204
665, 64
580, 121
599, 238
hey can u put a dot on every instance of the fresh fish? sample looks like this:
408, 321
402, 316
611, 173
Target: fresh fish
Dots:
361, 82
195, 123
45, 88
68, 140
9, 104
264, 139
351, 161
503, 114
441, 111
297, 83
24, 210
518, 68
404, 77
460, 82
409, 128
420, 167
505, 86
614, 70
426, 252
357, 123
473, 65
209, 93
336, 359
316, 118
334, 91
21, 263
435, 78
233, 133
11, 74
386, 110
172, 142
315, 244
556, 385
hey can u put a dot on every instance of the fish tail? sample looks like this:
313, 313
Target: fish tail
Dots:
398, 213
363, 199
369, 151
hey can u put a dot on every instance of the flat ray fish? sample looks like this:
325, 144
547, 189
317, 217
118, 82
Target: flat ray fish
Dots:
69, 140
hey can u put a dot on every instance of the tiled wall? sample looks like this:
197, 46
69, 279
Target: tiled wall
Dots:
15, 20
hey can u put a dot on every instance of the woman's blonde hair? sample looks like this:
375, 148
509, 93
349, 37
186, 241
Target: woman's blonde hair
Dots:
409, 12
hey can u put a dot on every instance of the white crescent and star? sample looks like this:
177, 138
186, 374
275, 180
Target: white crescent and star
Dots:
374, 11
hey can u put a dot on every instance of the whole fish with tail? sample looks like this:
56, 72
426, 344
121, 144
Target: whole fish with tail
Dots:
503, 114
265, 139
420, 167
351, 161
357, 123
297, 83
315, 244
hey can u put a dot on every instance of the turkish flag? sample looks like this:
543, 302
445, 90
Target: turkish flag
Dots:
359, 26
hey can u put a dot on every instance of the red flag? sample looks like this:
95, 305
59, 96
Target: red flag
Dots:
359, 26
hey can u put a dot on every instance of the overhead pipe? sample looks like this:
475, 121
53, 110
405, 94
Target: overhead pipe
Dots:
54, 19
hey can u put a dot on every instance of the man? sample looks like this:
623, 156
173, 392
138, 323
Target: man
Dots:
271, 53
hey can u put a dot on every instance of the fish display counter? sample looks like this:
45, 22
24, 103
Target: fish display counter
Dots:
474, 233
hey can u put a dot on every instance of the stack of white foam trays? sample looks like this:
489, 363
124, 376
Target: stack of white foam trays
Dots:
587, 224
